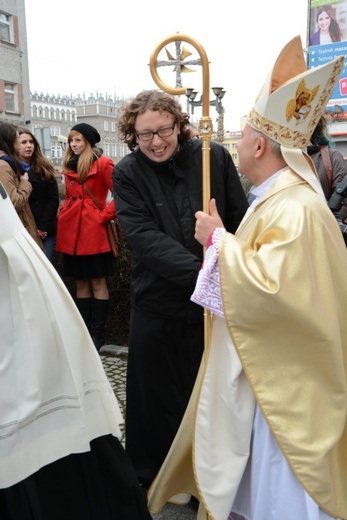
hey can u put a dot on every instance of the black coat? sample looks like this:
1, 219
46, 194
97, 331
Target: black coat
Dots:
338, 164
156, 205
339, 171
44, 203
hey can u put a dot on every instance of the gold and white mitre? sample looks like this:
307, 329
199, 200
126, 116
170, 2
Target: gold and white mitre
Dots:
291, 102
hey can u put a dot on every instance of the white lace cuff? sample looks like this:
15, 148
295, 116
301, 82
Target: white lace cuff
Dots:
207, 289
217, 236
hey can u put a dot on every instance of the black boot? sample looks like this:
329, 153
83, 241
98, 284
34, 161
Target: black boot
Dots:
100, 312
84, 305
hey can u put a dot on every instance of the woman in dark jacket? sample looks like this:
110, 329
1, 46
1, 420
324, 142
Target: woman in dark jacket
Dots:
15, 178
44, 198
329, 162
82, 220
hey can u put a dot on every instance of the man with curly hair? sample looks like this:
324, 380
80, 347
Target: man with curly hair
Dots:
158, 189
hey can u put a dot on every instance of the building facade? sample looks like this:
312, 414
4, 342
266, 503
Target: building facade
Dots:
101, 112
230, 143
14, 68
52, 118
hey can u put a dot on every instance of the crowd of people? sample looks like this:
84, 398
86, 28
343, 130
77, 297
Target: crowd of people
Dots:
232, 426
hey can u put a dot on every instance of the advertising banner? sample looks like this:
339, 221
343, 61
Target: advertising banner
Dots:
328, 39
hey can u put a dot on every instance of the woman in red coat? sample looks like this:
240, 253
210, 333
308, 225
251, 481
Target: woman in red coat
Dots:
81, 233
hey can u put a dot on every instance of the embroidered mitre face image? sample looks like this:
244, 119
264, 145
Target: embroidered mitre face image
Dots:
300, 107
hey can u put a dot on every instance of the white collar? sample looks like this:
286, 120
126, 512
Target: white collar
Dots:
259, 191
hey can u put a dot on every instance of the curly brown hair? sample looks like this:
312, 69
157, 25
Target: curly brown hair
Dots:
155, 100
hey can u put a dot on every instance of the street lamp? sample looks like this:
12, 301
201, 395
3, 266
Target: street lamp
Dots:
62, 140
219, 92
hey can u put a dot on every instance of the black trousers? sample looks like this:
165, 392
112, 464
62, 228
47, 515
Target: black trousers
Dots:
163, 362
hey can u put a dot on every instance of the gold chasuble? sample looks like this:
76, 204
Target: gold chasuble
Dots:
284, 288
287, 320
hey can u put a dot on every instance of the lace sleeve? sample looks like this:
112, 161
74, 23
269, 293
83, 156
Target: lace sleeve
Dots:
207, 290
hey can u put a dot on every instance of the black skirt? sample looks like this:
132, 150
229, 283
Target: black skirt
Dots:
86, 267
96, 485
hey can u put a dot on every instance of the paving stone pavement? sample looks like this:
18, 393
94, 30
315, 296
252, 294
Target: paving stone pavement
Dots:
115, 368
114, 360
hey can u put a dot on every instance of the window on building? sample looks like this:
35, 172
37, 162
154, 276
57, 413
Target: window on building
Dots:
113, 127
234, 156
55, 130
6, 32
106, 126
106, 149
123, 150
11, 97
113, 150
56, 151
234, 145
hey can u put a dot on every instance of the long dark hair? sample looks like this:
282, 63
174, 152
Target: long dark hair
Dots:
8, 136
334, 28
38, 162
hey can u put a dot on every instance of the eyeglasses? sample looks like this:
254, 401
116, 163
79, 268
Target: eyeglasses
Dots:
163, 132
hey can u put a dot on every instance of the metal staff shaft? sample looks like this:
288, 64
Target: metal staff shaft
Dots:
205, 129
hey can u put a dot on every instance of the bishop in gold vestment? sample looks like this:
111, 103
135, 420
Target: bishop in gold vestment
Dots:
278, 289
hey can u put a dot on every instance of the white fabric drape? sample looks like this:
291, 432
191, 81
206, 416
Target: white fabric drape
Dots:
55, 396
269, 488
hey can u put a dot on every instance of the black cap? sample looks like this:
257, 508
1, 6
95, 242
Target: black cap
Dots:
88, 132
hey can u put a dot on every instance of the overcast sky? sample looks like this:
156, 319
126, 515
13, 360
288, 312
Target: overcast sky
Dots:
81, 47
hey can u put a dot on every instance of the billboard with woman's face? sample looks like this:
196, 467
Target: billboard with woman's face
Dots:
328, 39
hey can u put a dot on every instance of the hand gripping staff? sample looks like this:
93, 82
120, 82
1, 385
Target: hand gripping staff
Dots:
205, 128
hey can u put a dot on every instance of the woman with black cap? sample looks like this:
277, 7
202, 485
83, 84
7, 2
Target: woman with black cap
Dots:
81, 233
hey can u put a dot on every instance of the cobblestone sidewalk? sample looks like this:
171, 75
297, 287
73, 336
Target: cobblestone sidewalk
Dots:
115, 368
